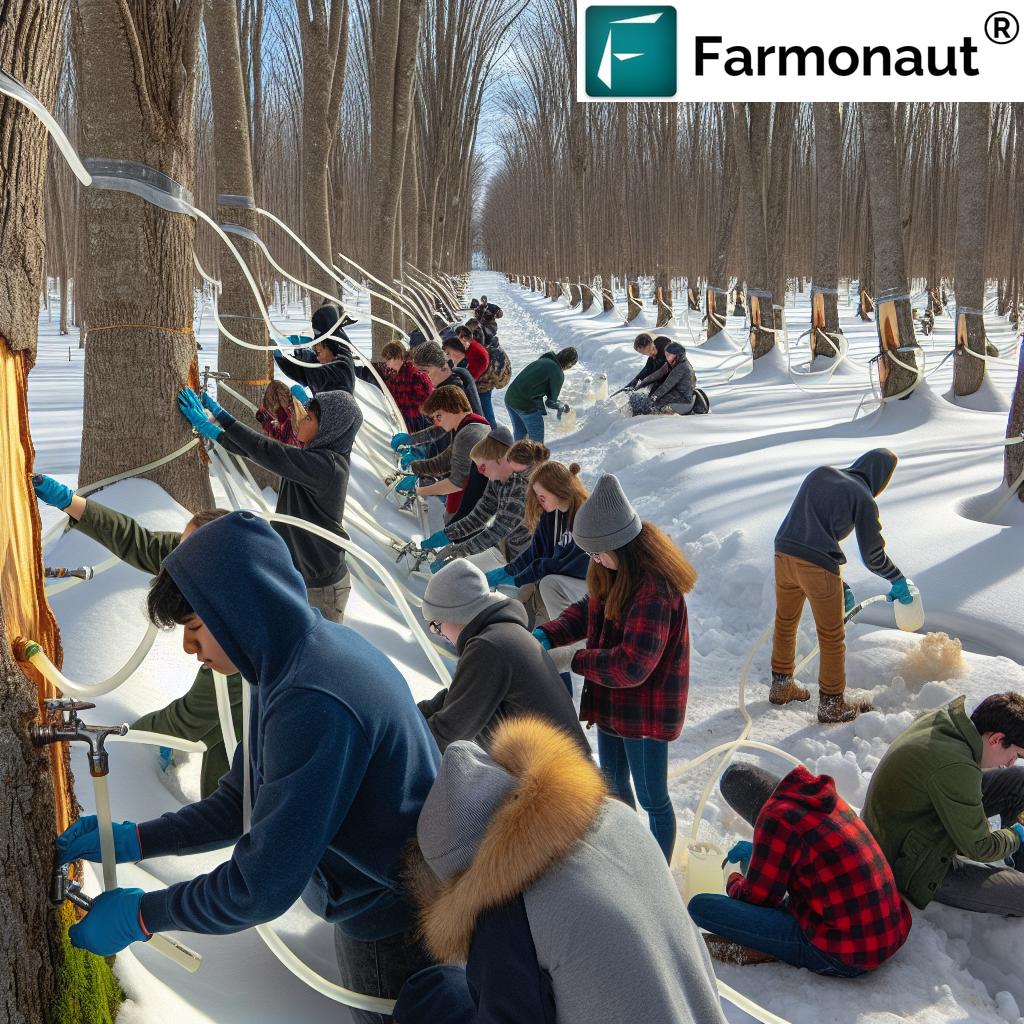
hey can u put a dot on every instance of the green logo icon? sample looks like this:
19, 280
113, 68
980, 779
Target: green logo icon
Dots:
630, 51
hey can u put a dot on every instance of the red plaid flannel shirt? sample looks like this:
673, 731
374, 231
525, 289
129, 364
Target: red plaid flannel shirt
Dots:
409, 387
809, 843
636, 672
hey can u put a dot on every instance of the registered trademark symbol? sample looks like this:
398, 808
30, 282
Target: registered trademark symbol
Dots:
1002, 27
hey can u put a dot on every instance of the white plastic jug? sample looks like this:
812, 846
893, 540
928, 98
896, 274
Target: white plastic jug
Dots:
704, 869
910, 617
599, 387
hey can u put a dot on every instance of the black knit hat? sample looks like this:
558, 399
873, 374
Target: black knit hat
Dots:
326, 318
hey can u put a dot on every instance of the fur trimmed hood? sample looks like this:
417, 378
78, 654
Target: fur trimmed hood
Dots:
554, 804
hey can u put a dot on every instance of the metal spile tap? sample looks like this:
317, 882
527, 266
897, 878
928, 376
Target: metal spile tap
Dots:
71, 729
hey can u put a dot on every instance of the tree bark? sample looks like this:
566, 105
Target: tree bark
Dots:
135, 104
1013, 457
971, 224
897, 330
828, 166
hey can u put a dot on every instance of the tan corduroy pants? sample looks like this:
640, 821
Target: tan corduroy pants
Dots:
795, 581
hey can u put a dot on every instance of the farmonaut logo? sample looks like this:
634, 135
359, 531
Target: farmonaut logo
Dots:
630, 51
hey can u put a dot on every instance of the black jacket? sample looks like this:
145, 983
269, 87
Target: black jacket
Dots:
337, 375
830, 505
655, 362
672, 383
314, 482
503, 672
462, 378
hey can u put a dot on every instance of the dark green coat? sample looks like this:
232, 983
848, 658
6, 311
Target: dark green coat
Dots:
924, 803
536, 386
194, 715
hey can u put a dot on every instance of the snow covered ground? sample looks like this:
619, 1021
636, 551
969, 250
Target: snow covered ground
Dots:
719, 485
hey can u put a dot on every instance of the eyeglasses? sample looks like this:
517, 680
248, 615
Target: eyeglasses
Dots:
435, 628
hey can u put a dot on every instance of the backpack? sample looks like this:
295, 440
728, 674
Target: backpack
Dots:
701, 402
499, 369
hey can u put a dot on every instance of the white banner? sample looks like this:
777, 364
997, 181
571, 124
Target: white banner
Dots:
745, 50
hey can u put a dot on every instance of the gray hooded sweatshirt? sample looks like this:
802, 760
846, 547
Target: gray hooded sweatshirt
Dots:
830, 505
314, 482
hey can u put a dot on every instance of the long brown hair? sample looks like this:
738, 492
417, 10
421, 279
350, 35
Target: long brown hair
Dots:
561, 481
650, 553
276, 395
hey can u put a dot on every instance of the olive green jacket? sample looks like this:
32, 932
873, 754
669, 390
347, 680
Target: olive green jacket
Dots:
924, 803
194, 715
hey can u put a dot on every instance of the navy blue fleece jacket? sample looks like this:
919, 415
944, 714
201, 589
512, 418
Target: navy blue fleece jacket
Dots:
340, 756
552, 552
830, 505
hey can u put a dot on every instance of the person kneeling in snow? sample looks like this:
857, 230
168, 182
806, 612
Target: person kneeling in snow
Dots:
340, 762
670, 388
194, 715
830, 505
818, 892
654, 350
555, 897
930, 799
314, 482
502, 672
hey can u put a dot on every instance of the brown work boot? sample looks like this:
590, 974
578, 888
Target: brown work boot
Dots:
728, 952
834, 708
784, 690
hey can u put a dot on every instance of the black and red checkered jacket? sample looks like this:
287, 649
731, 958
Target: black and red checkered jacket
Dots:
409, 387
636, 672
809, 843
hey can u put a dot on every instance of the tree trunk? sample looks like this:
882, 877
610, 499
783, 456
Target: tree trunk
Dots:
730, 195
36, 788
828, 165
250, 370
971, 222
776, 214
139, 307
1013, 457
893, 317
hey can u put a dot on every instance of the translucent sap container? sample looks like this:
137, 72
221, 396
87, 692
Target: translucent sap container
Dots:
910, 617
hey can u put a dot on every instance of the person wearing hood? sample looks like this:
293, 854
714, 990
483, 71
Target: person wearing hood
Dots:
194, 715
829, 506
327, 364
502, 671
670, 388
636, 661
339, 764
816, 891
535, 389
496, 519
555, 897
932, 795
314, 482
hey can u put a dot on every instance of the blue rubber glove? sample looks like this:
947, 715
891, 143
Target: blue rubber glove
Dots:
437, 566
220, 414
407, 485
298, 340
543, 638
741, 854
112, 924
82, 841
1019, 829
408, 458
435, 540
849, 601
900, 592
52, 492
192, 409
165, 757
300, 394
399, 441
498, 578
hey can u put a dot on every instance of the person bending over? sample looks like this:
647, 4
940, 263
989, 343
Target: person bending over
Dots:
817, 892
670, 388
430, 358
496, 520
502, 671
556, 898
334, 739
194, 715
654, 349
636, 662
535, 389
314, 482
930, 798
829, 506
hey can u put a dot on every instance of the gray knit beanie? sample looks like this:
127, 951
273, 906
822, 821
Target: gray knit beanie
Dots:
457, 594
502, 434
469, 789
606, 520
